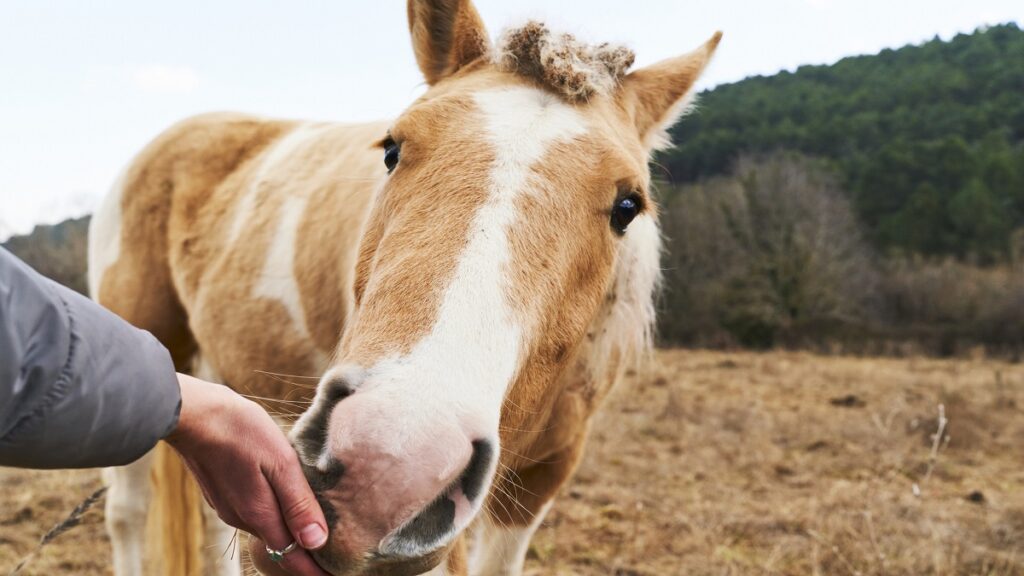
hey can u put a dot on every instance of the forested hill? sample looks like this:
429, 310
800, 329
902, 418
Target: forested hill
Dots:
928, 140
57, 251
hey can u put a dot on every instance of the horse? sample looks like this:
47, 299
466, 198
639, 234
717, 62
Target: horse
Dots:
464, 284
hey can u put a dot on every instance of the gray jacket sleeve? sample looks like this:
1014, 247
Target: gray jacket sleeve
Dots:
79, 387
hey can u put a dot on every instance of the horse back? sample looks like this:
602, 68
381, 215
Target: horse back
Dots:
237, 236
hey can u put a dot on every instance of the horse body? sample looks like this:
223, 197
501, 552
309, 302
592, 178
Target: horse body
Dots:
261, 263
466, 303
226, 239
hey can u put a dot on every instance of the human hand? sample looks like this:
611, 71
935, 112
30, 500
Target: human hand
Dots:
248, 471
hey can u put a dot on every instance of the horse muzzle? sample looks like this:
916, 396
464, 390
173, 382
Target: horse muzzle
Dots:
397, 481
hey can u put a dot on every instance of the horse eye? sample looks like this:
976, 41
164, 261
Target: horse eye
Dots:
623, 212
392, 153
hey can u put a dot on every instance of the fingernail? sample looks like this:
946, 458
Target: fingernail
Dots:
312, 537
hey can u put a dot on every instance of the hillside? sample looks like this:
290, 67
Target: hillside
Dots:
927, 139
57, 251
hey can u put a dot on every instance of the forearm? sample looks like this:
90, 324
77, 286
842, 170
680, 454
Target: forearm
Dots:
79, 387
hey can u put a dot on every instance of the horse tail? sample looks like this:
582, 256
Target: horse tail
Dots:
175, 530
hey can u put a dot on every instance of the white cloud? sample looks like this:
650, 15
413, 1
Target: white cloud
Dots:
165, 79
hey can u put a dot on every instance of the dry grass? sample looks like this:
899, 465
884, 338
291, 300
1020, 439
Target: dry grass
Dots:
736, 463
31, 503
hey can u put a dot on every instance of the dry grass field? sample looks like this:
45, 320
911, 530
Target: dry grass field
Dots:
736, 463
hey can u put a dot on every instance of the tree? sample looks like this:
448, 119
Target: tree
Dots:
907, 130
773, 245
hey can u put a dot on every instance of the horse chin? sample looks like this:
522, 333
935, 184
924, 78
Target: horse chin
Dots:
375, 566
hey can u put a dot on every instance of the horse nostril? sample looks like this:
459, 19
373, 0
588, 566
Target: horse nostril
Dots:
475, 475
336, 390
311, 437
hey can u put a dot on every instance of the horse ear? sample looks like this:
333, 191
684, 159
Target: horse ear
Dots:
658, 94
446, 35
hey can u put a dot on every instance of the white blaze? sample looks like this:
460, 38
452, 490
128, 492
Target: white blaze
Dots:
462, 368
459, 373
471, 354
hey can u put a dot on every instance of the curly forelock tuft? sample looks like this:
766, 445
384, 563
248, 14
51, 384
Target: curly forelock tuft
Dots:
560, 62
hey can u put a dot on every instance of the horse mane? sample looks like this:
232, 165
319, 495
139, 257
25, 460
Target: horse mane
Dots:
574, 69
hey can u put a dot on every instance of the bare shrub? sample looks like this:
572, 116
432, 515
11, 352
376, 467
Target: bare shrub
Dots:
957, 303
751, 255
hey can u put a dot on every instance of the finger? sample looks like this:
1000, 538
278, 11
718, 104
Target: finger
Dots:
275, 533
272, 529
301, 511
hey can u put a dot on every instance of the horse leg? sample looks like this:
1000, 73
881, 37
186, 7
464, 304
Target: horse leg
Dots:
501, 549
128, 498
515, 512
129, 274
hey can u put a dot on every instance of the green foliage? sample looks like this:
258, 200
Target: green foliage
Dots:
928, 140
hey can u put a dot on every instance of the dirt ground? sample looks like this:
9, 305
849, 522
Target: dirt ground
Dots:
734, 463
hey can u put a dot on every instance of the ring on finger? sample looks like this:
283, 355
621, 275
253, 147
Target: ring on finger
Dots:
278, 555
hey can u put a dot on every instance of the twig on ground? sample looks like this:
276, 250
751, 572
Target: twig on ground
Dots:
73, 519
933, 456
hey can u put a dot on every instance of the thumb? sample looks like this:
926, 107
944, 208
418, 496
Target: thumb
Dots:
299, 507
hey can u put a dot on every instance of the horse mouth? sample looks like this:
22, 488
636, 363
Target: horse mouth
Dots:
417, 544
381, 566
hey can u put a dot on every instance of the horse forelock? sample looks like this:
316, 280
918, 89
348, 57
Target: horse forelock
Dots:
562, 63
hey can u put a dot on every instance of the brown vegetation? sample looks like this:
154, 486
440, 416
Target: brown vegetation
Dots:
956, 304
751, 255
773, 256
735, 463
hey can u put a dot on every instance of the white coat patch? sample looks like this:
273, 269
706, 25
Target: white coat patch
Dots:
277, 279
105, 235
278, 153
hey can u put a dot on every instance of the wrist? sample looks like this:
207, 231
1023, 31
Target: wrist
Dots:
194, 409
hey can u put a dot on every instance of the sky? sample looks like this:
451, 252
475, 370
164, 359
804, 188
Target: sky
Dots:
84, 85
